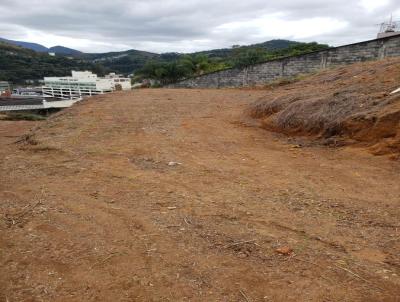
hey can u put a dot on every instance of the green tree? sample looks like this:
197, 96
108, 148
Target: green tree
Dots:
245, 57
99, 69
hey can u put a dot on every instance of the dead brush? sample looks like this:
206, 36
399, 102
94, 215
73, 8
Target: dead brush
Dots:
315, 115
263, 108
283, 81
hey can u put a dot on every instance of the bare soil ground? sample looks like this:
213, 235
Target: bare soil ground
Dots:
347, 105
171, 195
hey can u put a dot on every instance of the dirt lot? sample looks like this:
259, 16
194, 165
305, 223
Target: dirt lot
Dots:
171, 195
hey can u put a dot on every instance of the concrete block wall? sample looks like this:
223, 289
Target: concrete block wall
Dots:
263, 73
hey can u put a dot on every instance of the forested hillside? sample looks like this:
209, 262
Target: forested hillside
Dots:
18, 64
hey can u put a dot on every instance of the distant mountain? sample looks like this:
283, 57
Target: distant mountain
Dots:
128, 60
276, 44
32, 46
61, 50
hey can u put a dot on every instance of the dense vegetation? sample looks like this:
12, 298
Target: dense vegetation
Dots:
182, 67
18, 64
201, 63
126, 62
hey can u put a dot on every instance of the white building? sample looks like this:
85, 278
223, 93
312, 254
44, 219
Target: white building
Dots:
83, 83
125, 83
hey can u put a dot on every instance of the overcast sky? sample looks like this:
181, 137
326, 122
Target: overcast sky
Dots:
189, 25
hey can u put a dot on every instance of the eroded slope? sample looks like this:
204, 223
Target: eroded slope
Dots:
346, 105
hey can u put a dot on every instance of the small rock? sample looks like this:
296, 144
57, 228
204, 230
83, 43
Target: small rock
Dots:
285, 250
173, 163
242, 255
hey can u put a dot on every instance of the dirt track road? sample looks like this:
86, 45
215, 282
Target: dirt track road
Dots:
169, 195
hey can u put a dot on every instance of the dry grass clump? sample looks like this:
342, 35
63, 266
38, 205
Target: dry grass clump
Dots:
352, 102
22, 116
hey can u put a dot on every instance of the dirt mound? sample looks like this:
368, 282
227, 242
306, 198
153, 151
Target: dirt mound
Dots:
346, 105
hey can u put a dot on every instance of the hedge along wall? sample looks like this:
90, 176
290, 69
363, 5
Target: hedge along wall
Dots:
263, 73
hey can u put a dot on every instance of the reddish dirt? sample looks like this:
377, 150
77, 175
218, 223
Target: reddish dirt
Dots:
93, 209
352, 104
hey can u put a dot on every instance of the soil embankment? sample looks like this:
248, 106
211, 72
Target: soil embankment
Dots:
347, 105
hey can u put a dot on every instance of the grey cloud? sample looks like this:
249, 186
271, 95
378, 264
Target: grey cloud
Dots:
173, 23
